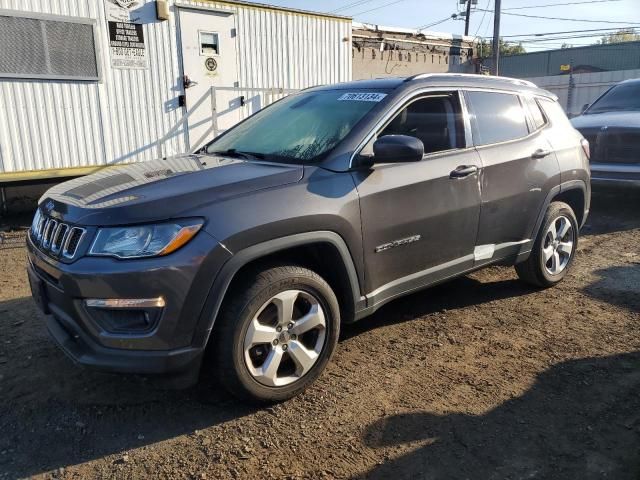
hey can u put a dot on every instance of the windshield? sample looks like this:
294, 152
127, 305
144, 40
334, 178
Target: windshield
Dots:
620, 97
301, 128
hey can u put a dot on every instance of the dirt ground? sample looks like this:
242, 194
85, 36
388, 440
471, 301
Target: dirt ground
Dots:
479, 378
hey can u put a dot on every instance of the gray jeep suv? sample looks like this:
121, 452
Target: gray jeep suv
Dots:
249, 254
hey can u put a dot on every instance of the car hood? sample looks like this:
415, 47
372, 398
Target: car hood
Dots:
607, 119
161, 189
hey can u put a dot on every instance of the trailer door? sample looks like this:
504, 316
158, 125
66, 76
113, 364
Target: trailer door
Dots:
210, 67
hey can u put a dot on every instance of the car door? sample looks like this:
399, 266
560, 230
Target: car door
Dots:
519, 167
419, 219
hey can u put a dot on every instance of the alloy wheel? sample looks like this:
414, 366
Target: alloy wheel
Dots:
558, 245
285, 338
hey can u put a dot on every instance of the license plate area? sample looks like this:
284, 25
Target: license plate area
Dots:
38, 291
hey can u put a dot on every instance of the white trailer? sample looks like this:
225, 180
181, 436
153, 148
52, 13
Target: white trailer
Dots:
89, 83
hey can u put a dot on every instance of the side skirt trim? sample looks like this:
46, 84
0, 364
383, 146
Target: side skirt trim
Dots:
485, 252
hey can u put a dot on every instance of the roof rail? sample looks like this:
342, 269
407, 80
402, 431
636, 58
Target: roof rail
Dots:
516, 81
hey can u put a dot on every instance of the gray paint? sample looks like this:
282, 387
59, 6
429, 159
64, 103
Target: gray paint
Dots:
254, 208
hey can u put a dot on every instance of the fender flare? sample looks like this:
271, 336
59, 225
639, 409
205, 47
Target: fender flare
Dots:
241, 258
561, 188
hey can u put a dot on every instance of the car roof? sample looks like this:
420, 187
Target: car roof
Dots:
630, 80
463, 80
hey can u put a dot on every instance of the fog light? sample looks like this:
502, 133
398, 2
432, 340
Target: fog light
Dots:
125, 302
119, 315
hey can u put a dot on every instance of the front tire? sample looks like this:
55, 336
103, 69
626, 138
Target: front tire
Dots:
276, 333
554, 248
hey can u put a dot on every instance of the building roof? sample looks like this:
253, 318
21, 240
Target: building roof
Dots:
427, 34
607, 57
265, 6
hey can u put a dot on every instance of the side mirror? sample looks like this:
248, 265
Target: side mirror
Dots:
397, 149
584, 107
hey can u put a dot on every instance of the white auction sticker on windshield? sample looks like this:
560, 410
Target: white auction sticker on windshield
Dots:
362, 97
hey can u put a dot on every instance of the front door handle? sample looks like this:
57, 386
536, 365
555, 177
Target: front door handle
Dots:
541, 153
463, 171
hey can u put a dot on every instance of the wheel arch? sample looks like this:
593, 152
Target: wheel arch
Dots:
574, 193
305, 249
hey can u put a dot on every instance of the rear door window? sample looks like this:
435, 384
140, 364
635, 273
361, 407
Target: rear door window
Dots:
496, 117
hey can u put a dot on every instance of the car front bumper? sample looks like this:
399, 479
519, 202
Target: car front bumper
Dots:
169, 346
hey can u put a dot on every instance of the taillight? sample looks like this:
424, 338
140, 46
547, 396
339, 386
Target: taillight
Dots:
585, 146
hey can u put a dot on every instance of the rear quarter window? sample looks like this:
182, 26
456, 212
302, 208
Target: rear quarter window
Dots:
555, 113
496, 117
538, 118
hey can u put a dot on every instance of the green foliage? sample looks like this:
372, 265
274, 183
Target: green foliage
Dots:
623, 35
485, 48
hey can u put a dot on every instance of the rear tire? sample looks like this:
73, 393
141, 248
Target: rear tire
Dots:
554, 248
275, 333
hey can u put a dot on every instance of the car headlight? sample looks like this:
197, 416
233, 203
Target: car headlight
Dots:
144, 240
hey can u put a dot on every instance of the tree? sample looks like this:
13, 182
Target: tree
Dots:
485, 48
623, 35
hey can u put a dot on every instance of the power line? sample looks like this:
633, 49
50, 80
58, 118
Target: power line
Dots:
429, 25
484, 13
561, 4
541, 34
570, 37
378, 8
571, 19
348, 6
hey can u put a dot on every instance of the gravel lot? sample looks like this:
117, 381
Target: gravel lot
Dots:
480, 378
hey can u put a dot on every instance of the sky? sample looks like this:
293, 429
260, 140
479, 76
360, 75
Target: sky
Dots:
598, 14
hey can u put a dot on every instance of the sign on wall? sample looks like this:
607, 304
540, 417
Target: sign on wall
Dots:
126, 37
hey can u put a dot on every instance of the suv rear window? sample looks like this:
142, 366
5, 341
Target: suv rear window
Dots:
496, 117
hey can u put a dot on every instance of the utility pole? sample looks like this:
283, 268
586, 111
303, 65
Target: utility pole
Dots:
495, 68
467, 18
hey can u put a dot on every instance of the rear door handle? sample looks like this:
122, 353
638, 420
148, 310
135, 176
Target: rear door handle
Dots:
463, 171
541, 153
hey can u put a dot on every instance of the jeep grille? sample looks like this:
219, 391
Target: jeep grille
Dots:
55, 238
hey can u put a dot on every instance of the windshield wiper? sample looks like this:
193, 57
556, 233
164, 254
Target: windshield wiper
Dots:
232, 152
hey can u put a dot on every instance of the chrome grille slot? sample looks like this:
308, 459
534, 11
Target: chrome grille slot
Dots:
41, 225
48, 233
36, 224
56, 238
73, 240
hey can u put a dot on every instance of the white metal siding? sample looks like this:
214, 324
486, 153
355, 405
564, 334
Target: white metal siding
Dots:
587, 86
125, 117
284, 50
132, 115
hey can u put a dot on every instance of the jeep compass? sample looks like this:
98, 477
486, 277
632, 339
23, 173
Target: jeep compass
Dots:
246, 256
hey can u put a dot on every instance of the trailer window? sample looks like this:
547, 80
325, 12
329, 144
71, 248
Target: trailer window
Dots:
209, 44
50, 47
